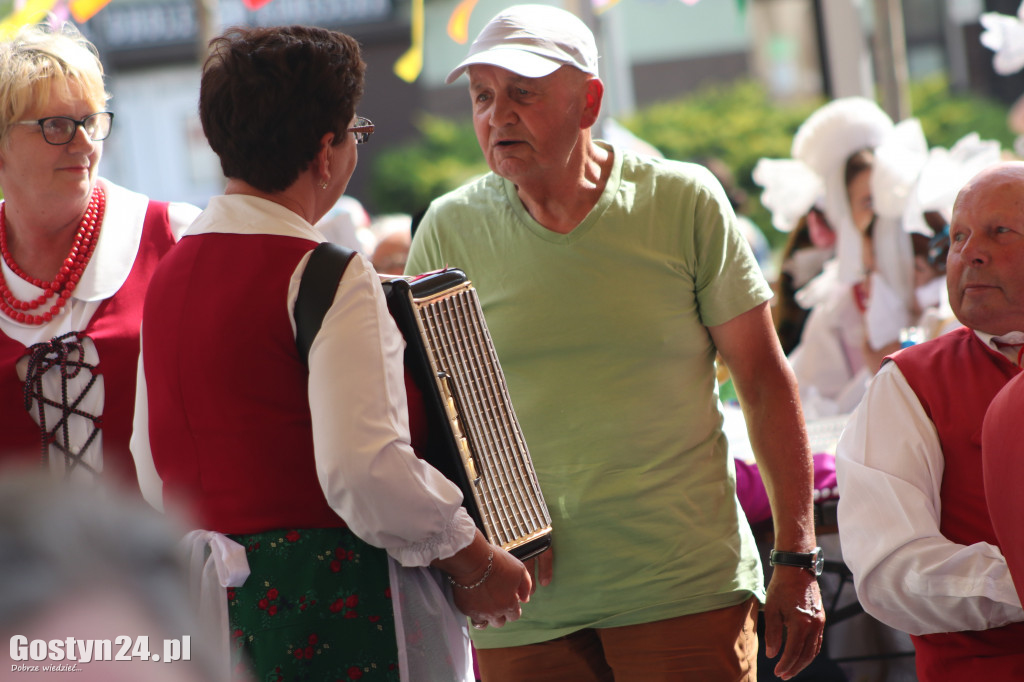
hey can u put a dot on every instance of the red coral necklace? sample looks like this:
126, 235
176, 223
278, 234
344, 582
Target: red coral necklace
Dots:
70, 272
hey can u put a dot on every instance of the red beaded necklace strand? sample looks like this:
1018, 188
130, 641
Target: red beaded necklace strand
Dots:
70, 272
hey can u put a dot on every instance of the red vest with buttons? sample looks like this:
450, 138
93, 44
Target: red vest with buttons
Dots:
114, 328
955, 377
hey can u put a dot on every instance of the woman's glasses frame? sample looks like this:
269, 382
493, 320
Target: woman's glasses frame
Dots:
362, 129
61, 130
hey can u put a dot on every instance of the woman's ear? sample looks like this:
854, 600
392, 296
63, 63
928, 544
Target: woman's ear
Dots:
323, 157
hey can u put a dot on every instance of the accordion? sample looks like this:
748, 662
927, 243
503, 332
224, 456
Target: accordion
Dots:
473, 438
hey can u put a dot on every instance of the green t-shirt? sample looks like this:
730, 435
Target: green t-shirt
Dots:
602, 337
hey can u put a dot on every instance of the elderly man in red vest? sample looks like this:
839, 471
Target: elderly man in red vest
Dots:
913, 519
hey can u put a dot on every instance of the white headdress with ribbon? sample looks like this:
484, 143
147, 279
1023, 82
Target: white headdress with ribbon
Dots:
824, 142
899, 159
946, 172
791, 189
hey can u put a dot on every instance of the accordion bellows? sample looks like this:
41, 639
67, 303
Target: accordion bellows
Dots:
474, 437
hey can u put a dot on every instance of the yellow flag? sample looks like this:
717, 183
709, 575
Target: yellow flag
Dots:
32, 12
84, 10
458, 22
410, 64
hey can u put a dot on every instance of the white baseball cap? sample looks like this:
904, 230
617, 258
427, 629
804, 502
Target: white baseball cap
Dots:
532, 41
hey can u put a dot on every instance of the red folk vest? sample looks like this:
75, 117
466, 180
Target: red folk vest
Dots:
114, 328
229, 420
955, 377
1002, 453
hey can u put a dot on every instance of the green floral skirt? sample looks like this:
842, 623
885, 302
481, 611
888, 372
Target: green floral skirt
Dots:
316, 606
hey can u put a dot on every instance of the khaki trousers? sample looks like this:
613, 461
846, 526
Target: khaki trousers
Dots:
717, 646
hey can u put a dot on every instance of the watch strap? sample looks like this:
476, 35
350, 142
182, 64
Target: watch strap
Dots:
810, 561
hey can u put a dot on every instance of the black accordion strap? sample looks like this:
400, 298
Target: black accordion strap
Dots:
327, 264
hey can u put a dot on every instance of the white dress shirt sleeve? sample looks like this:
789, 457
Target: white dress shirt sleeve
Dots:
889, 465
368, 471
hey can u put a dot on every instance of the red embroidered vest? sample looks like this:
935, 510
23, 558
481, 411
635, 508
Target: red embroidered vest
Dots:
956, 402
229, 420
114, 328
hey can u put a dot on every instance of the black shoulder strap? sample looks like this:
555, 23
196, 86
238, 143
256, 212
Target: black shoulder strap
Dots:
327, 264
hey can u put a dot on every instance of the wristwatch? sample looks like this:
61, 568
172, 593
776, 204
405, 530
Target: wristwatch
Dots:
813, 561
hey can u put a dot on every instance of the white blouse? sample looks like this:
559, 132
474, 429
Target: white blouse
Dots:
889, 465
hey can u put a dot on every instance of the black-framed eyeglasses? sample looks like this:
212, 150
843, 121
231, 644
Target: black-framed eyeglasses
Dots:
362, 129
58, 130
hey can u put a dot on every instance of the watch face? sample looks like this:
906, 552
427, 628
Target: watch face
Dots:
819, 561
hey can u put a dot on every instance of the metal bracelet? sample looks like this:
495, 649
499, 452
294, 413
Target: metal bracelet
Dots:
478, 583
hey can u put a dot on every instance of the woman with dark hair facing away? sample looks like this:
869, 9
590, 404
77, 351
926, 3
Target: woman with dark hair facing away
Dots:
309, 470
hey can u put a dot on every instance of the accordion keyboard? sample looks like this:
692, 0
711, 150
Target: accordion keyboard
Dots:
476, 399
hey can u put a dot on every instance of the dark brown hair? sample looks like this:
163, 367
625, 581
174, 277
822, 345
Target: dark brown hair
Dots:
269, 94
789, 316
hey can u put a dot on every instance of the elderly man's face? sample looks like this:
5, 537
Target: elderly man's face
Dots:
985, 266
526, 126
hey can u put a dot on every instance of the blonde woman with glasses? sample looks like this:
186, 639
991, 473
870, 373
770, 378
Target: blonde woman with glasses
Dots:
77, 255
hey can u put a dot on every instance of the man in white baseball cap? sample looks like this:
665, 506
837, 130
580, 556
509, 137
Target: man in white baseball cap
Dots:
610, 280
532, 41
